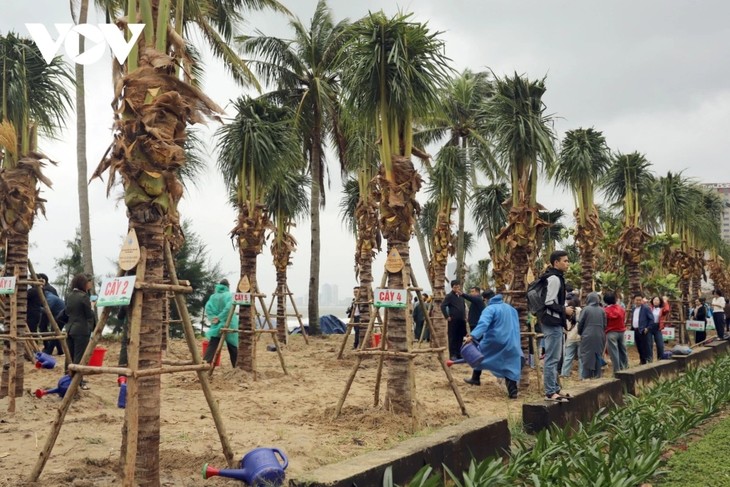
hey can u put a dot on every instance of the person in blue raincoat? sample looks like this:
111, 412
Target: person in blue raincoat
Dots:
217, 308
498, 336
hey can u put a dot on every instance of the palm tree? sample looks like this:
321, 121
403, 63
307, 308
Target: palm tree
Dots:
287, 201
360, 209
394, 72
444, 186
584, 159
548, 236
628, 182
523, 141
258, 145
459, 119
490, 215
305, 74
154, 107
33, 98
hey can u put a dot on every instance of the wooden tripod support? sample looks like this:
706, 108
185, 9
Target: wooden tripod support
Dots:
257, 332
27, 338
286, 292
133, 372
381, 352
351, 324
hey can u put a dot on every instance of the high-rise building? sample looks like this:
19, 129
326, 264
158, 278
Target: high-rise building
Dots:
724, 190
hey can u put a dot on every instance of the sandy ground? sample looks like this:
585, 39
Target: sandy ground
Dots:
292, 412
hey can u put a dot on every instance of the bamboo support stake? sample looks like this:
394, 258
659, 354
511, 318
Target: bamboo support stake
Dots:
298, 315
131, 413
91, 370
51, 318
13, 344
176, 362
162, 287
70, 393
381, 356
172, 369
202, 376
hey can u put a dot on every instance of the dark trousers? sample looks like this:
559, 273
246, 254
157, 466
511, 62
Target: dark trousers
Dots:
643, 346
476, 375
457, 332
700, 336
356, 320
719, 319
213, 345
655, 336
77, 346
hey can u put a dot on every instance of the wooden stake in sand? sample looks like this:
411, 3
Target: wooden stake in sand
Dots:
134, 372
286, 292
382, 350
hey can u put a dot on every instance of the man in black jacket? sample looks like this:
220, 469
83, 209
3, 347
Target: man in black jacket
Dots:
476, 305
552, 321
454, 310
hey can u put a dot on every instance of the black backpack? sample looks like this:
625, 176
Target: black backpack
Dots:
536, 293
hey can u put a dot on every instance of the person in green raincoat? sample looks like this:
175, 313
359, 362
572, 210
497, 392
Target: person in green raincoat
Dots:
217, 309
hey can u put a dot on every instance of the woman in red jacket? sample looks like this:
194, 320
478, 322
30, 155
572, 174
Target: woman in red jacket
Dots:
615, 328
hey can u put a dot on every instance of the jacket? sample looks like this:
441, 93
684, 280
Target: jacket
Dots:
476, 306
218, 306
56, 306
646, 318
663, 314
554, 299
419, 314
615, 318
453, 306
81, 317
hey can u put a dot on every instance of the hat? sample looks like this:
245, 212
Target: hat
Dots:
224, 282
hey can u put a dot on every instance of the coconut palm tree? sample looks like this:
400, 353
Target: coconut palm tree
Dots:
258, 145
627, 182
489, 205
33, 98
584, 159
549, 236
523, 139
304, 72
394, 71
460, 120
287, 201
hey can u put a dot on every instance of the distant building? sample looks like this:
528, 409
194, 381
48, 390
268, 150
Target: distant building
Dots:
724, 190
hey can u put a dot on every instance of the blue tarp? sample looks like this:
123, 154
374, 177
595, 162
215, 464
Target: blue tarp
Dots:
328, 325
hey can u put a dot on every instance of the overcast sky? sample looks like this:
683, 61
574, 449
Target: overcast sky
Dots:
652, 75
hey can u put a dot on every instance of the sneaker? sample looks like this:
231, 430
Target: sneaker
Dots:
472, 382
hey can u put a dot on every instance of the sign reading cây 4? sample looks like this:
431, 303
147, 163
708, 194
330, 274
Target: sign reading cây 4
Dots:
390, 298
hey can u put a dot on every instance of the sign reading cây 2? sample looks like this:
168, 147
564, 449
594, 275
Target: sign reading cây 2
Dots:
98, 36
390, 298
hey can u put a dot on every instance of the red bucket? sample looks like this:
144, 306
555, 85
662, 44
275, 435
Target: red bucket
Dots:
376, 340
97, 357
217, 359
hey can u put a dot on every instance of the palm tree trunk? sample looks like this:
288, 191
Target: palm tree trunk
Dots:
368, 241
81, 167
281, 290
246, 317
17, 248
421, 239
442, 247
460, 251
520, 259
151, 237
314, 208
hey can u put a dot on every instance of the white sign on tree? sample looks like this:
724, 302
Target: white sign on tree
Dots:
244, 299
7, 285
116, 291
390, 298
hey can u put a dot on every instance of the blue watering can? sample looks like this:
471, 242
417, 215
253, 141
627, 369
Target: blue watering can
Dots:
43, 360
60, 389
470, 354
259, 468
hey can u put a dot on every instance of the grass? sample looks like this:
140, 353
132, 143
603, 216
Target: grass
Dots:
703, 463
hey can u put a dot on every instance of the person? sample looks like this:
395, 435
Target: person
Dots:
123, 318
476, 305
718, 313
217, 309
660, 310
46, 284
699, 313
353, 312
419, 318
57, 307
642, 319
572, 343
615, 330
592, 331
34, 309
498, 335
552, 320
454, 310
81, 319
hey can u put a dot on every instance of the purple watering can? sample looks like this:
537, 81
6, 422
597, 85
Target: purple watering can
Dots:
60, 389
259, 468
